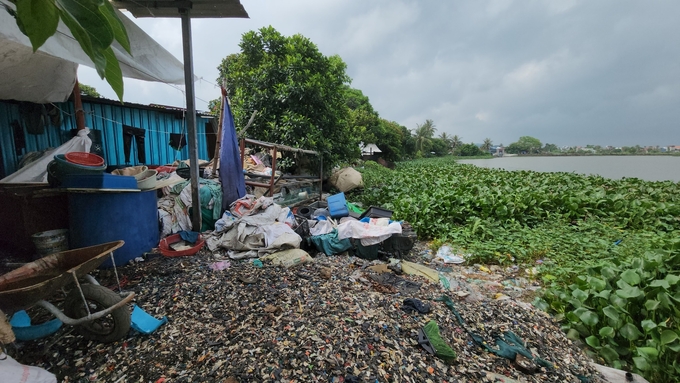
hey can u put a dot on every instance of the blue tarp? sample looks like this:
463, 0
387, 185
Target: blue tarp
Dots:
231, 168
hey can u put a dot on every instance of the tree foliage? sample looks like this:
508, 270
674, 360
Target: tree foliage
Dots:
456, 141
87, 90
525, 145
389, 136
423, 134
298, 92
469, 150
486, 146
439, 147
94, 24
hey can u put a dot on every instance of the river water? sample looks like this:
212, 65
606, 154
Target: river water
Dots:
650, 168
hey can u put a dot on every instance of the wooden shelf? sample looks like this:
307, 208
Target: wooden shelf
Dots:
273, 180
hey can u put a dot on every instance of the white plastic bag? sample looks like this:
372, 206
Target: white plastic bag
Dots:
15, 372
36, 171
369, 233
447, 255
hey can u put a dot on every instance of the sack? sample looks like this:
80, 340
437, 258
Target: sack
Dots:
15, 372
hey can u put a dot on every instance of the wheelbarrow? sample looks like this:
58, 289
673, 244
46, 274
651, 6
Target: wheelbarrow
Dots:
98, 313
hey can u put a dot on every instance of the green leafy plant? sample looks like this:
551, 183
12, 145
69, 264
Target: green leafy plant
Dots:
605, 250
626, 312
93, 23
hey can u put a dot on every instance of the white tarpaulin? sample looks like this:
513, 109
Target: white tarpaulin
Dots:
50, 74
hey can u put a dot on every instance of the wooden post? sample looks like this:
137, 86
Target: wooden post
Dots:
78, 103
218, 141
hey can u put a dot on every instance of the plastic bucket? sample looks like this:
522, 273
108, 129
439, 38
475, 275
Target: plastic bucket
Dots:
51, 241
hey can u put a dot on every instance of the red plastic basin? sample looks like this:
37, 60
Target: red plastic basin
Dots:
164, 246
84, 158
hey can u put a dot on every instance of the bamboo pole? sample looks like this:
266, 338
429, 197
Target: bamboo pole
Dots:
218, 141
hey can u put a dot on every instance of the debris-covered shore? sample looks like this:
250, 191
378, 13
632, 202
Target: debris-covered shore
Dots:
329, 321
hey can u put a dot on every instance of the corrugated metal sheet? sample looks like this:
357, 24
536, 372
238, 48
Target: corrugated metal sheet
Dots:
11, 154
108, 118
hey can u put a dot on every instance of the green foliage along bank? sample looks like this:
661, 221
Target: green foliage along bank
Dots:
606, 250
298, 92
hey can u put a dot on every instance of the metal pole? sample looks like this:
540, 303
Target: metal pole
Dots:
191, 118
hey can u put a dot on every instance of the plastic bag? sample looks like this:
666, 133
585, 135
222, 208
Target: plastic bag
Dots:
13, 371
36, 171
447, 255
289, 258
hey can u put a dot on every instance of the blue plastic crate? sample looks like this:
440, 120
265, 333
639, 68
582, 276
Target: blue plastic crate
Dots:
98, 181
337, 205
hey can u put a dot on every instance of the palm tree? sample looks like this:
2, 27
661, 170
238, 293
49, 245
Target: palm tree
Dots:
423, 134
456, 141
446, 138
487, 144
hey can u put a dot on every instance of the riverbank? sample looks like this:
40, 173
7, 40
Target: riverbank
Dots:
585, 237
332, 320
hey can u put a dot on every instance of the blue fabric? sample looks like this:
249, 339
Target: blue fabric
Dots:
189, 236
231, 168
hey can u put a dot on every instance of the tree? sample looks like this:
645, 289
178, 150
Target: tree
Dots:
456, 141
439, 146
486, 146
551, 148
93, 23
423, 134
525, 145
215, 106
468, 150
87, 90
299, 93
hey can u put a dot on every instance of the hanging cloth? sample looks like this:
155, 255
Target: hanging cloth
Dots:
177, 141
231, 168
128, 133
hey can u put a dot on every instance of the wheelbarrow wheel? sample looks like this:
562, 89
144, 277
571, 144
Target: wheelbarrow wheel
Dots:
108, 328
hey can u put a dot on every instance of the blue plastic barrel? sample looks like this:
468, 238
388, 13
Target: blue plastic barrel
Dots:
100, 217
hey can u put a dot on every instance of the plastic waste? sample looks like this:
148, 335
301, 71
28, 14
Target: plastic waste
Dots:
143, 322
289, 258
226, 221
321, 214
447, 255
257, 263
221, 265
24, 331
13, 371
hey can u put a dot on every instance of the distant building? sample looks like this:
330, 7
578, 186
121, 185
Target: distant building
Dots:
369, 151
497, 151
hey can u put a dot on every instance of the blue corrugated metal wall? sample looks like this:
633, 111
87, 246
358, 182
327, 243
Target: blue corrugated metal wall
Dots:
108, 119
9, 112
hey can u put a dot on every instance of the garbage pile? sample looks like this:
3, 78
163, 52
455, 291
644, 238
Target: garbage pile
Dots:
328, 319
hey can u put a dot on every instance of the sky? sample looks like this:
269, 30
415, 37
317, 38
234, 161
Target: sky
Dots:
568, 72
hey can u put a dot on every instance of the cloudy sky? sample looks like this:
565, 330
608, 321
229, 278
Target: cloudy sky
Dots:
567, 72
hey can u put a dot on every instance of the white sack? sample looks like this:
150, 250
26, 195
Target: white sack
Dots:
15, 372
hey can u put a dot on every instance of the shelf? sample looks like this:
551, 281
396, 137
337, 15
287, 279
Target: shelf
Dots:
273, 179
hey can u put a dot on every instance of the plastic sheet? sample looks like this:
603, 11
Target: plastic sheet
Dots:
37, 171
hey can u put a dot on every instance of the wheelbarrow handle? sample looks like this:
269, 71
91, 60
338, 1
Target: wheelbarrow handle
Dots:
74, 322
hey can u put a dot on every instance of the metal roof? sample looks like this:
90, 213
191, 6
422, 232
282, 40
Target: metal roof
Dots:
170, 8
